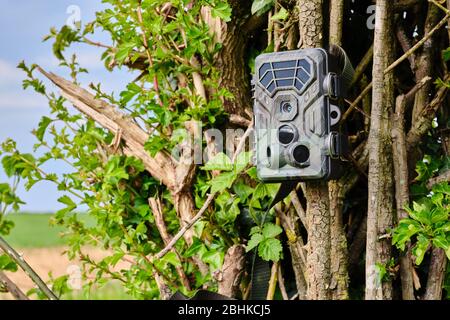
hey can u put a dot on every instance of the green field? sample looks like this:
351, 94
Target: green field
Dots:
35, 231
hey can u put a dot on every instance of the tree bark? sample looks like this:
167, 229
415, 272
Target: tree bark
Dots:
336, 21
318, 214
233, 268
402, 191
380, 206
339, 258
436, 275
289, 223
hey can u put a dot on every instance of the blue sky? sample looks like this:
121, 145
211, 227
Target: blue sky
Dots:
23, 24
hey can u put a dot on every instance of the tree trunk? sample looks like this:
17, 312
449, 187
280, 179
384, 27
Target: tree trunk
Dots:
339, 255
318, 214
380, 207
436, 275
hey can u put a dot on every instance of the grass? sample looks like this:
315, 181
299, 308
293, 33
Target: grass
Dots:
35, 231
110, 291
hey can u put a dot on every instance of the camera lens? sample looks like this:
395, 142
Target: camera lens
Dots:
286, 107
301, 154
286, 134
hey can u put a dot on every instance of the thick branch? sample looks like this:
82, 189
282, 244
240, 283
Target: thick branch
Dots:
12, 288
380, 206
161, 167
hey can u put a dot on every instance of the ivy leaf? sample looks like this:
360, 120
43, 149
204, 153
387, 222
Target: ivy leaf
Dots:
242, 161
220, 162
214, 258
260, 7
196, 247
242, 190
271, 230
222, 182
222, 10
270, 249
252, 173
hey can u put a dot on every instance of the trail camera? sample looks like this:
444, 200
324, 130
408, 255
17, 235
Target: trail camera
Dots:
297, 109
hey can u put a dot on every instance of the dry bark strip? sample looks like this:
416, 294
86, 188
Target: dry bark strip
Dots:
380, 207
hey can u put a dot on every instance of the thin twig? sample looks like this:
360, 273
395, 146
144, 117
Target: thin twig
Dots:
208, 201
396, 63
27, 268
147, 50
273, 281
185, 228
241, 144
155, 205
281, 284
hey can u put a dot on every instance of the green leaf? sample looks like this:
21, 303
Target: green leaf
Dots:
172, 258
124, 51
271, 230
242, 161
446, 54
403, 233
260, 7
7, 264
281, 15
220, 162
442, 242
381, 272
421, 212
222, 182
254, 241
222, 10
214, 258
196, 247
43, 125
421, 248
242, 190
253, 173
270, 249
68, 202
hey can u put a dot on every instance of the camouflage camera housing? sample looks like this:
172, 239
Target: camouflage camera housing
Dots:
297, 110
